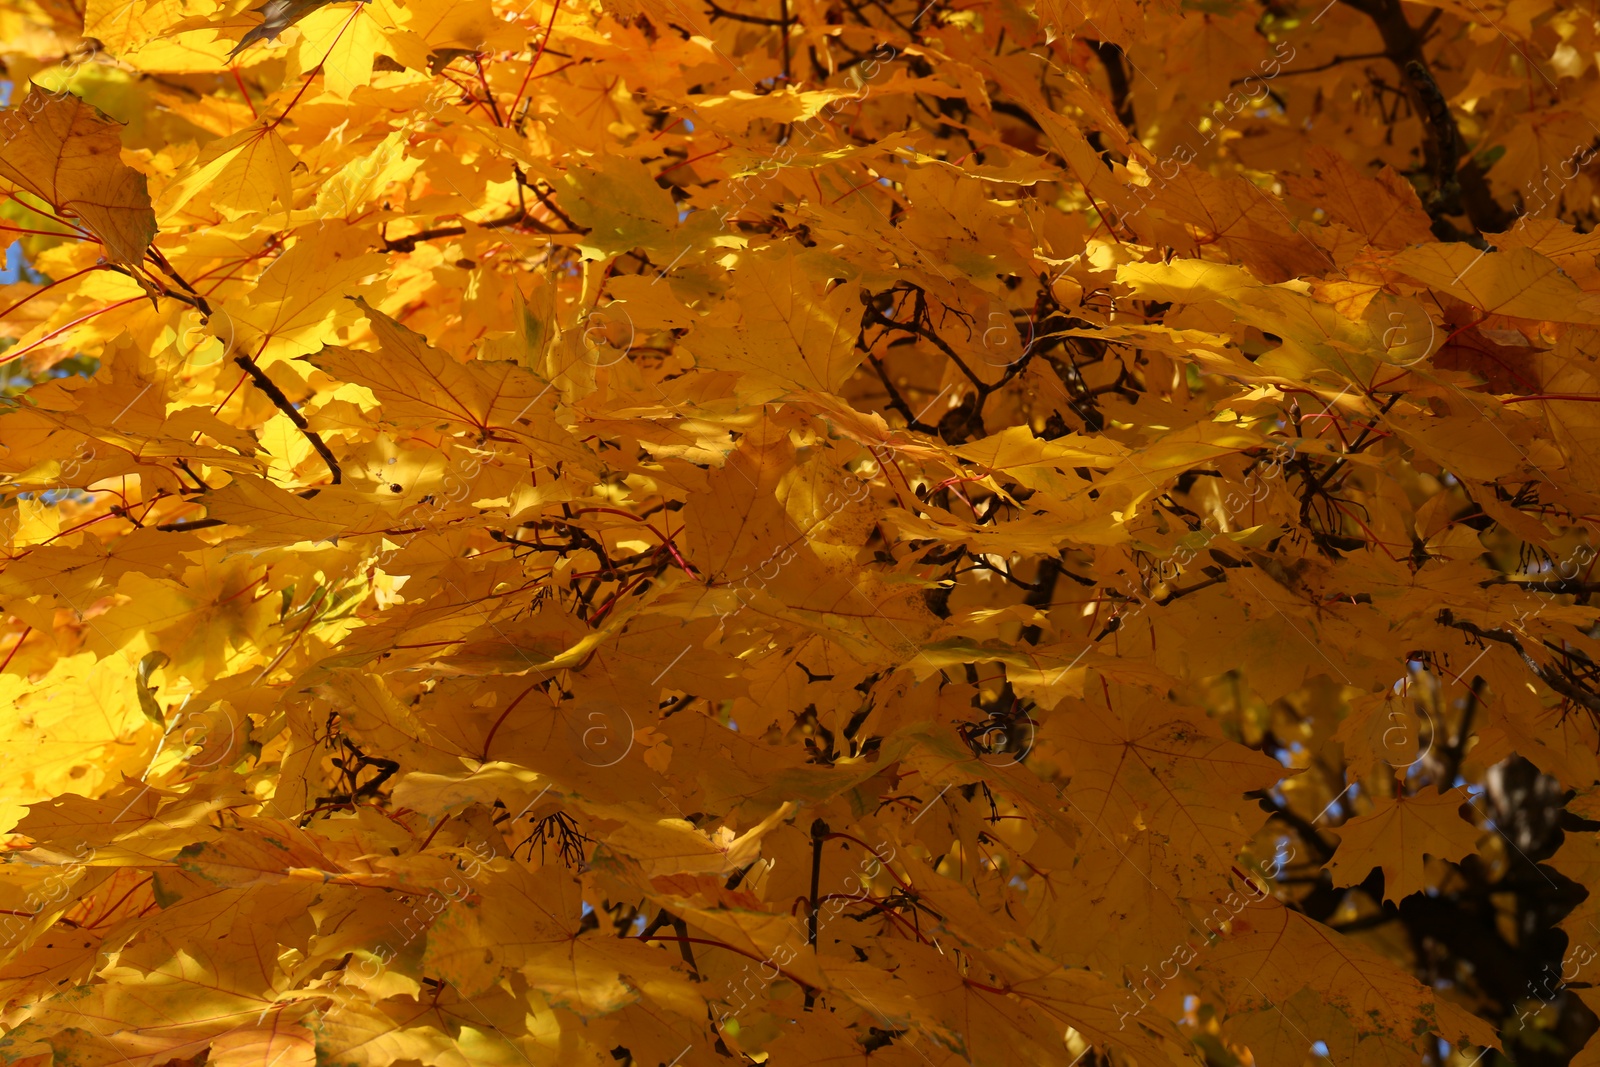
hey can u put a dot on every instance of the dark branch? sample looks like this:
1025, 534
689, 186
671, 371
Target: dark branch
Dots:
1458, 186
283, 404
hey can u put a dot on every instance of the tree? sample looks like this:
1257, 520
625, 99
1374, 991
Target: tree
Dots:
654, 532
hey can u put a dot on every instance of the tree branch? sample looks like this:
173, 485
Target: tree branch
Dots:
1458, 186
1555, 679
283, 404
1111, 58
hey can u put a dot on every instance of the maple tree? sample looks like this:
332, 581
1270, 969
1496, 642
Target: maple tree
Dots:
670, 532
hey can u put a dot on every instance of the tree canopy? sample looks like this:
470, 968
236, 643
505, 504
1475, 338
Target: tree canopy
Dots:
663, 532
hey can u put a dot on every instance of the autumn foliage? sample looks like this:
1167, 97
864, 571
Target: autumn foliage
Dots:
654, 532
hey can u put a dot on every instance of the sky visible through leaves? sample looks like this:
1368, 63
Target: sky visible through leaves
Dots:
799, 532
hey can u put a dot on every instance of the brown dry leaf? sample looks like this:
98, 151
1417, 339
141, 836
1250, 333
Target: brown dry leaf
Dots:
69, 155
